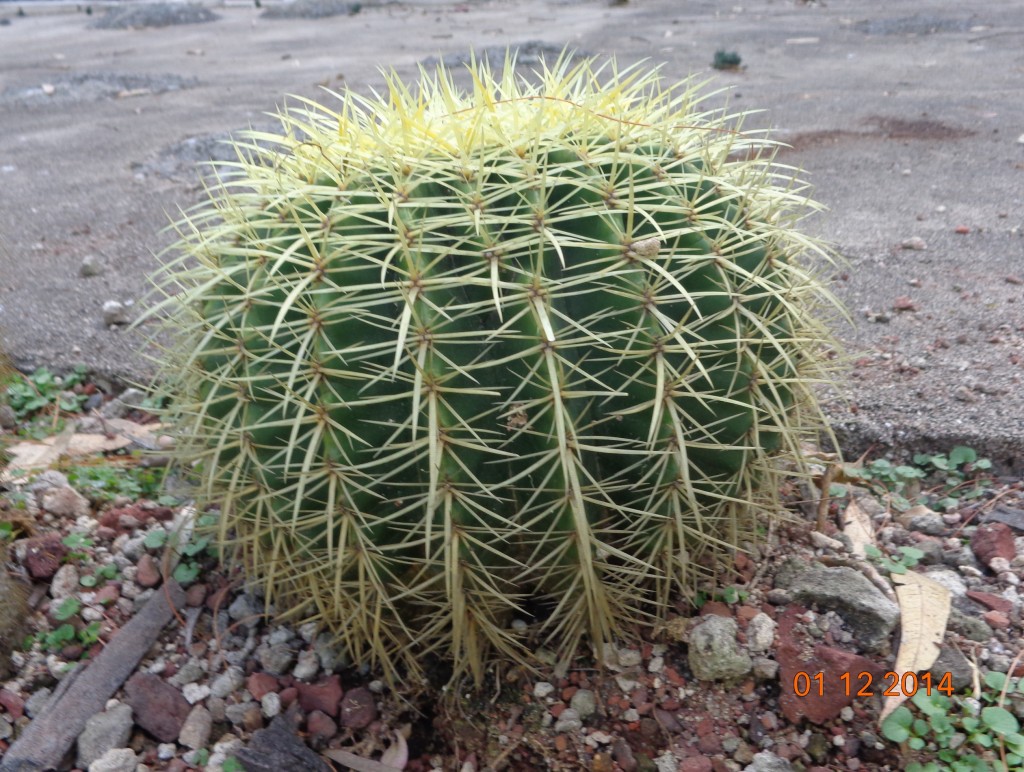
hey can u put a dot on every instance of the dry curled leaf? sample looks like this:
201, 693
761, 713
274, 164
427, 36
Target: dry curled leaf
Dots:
395, 757
924, 611
857, 527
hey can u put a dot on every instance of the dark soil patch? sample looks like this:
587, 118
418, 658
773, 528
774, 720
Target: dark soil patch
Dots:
922, 128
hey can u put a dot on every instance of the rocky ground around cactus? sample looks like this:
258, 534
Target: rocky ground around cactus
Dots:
905, 117
91, 539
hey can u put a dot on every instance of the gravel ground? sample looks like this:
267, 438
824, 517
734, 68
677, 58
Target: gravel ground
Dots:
712, 689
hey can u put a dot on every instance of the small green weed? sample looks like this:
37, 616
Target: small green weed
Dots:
938, 481
34, 393
724, 595
726, 60
959, 733
908, 558
188, 569
106, 482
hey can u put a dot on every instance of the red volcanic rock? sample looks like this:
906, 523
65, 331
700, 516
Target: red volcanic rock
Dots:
821, 696
43, 555
324, 696
993, 540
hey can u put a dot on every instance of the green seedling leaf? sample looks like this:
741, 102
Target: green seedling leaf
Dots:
87, 581
961, 455
186, 573
999, 720
995, 680
68, 608
155, 539
896, 726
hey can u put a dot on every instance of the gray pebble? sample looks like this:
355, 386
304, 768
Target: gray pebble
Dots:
114, 312
307, 666
236, 713
115, 760
568, 721
37, 701
110, 729
543, 689
270, 704
90, 266
276, 660
228, 682
584, 703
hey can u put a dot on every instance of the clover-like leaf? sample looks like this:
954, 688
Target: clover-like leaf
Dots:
1000, 720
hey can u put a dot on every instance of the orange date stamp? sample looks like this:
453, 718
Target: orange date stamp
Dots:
864, 684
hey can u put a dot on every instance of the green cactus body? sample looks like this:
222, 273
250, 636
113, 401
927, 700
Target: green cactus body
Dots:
447, 355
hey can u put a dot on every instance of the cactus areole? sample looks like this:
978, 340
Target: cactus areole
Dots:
451, 360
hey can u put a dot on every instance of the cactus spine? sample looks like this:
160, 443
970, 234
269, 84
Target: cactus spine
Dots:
445, 358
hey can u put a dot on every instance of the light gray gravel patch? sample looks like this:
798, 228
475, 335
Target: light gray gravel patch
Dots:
312, 9
526, 53
153, 15
92, 87
205, 156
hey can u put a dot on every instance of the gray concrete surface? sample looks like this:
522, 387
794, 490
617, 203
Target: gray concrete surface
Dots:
907, 116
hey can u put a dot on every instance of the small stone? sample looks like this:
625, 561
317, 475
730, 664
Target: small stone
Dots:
195, 595
276, 659
656, 665
270, 704
230, 681
280, 635
324, 696
260, 684
8, 418
320, 726
914, 242
766, 761
65, 582
166, 751
584, 702
765, 669
996, 620
115, 760
993, 540
37, 701
714, 653
13, 703
358, 708
148, 571
159, 708
244, 609
114, 312
252, 719
110, 729
188, 673
194, 692
760, 632
307, 666
195, 733
89, 267
568, 721
962, 230
66, 502
238, 713
543, 689
623, 756
904, 303
629, 658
